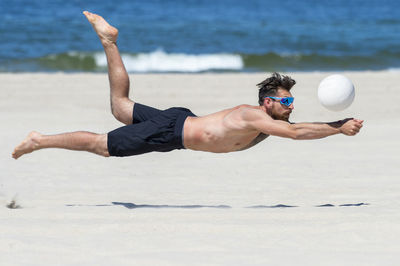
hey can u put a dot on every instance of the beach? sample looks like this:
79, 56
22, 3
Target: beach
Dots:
332, 201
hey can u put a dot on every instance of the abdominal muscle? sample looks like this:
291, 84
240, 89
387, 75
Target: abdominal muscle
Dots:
219, 132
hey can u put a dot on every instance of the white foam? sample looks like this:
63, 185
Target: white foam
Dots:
159, 61
394, 70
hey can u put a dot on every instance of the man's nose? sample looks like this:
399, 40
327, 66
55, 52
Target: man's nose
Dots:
291, 107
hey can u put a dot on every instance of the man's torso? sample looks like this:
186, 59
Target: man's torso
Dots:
224, 131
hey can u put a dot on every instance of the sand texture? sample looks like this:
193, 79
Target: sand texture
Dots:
195, 208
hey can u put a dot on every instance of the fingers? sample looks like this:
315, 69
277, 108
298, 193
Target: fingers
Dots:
355, 129
352, 132
352, 122
351, 126
359, 121
358, 124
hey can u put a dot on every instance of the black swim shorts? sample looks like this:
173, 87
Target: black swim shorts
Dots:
151, 130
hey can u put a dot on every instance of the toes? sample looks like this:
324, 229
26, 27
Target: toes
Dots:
90, 16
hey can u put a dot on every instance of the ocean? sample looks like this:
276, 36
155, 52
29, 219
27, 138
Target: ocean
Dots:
203, 35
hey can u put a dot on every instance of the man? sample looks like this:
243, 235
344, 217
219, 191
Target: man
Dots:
148, 129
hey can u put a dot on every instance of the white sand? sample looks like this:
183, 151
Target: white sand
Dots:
336, 170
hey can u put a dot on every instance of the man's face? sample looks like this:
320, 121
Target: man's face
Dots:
277, 110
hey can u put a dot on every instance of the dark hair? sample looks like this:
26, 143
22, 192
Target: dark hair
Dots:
270, 86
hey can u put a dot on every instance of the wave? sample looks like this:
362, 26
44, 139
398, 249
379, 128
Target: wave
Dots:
160, 61
157, 61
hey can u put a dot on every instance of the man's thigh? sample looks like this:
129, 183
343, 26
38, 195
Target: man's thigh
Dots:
143, 113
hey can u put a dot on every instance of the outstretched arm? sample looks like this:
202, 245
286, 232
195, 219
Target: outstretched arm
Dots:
349, 127
265, 124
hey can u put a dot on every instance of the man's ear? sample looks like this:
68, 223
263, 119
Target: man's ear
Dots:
267, 101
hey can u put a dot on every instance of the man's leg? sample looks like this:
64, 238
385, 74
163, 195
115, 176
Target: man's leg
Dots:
78, 141
121, 105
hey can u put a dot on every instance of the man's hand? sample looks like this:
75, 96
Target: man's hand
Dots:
350, 126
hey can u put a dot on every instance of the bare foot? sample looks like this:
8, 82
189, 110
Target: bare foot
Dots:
30, 143
107, 33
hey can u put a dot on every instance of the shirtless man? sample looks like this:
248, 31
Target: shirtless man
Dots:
148, 129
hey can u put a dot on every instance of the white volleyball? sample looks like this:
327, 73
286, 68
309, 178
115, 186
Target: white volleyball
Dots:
336, 92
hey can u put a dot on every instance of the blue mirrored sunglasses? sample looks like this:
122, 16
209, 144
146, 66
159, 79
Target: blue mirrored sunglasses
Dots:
283, 100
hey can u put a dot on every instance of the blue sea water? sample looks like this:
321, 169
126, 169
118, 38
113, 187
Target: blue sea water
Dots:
203, 35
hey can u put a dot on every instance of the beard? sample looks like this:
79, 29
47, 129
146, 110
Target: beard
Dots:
283, 117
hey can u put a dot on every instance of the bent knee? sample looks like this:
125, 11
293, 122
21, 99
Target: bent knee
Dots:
122, 110
101, 147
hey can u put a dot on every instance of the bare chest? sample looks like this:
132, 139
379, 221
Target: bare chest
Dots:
220, 135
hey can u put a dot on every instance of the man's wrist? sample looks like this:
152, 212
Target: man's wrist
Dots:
337, 125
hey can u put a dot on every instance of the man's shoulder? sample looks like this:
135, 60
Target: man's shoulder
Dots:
251, 112
246, 106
